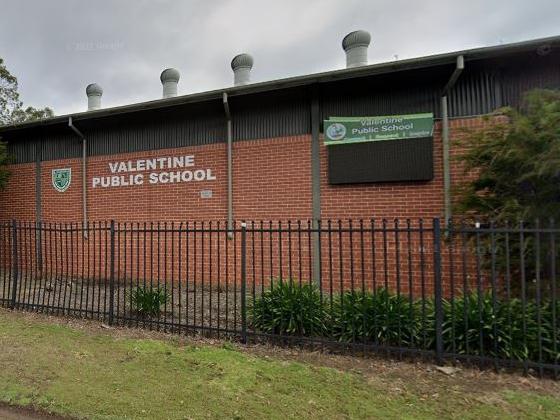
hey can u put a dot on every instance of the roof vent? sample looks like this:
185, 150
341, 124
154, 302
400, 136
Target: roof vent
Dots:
94, 92
356, 46
241, 66
169, 79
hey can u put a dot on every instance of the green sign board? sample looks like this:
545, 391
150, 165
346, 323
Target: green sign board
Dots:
343, 130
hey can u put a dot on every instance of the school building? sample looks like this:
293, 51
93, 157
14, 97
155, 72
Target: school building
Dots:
369, 140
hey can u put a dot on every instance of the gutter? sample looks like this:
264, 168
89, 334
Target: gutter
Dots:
460, 65
84, 175
229, 167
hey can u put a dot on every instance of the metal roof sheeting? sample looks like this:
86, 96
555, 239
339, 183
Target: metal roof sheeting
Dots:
284, 110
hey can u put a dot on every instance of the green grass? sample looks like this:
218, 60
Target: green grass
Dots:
99, 374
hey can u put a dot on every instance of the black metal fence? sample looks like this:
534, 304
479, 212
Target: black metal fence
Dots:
477, 293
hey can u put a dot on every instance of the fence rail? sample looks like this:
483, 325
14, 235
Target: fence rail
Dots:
479, 293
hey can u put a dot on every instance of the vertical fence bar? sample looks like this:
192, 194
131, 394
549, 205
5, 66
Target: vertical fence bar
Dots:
523, 289
23, 264
422, 282
449, 234
227, 269
331, 295
438, 291
180, 256
121, 242
235, 291
479, 295
202, 265
552, 248
243, 282
466, 290
89, 281
172, 276
493, 285
253, 263
195, 272
411, 337
83, 264
58, 254
66, 277
219, 275
112, 273
538, 294
48, 273
398, 279
3, 258
14, 264
508, 288
35, 265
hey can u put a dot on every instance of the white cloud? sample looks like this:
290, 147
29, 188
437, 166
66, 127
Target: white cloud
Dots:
57, 48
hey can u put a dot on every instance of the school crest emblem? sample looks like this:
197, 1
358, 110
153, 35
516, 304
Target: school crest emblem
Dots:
61, 179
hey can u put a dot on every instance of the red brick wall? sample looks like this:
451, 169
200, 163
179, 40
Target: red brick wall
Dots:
147, 202
18, 199
272, 181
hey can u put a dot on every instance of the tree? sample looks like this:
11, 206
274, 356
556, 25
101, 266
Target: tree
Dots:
517, 164
11, 107
516, 168
12, 111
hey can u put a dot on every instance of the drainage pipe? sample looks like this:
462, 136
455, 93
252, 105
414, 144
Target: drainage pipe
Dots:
38, 204
84, 174
229, 167
316, 183
460, 65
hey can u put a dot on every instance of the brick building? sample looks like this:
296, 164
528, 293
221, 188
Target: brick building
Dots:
256, 151
279, 163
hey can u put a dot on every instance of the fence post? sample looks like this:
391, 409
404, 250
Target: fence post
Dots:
15, 272
438, 291
112, 274
38, 248
244, 282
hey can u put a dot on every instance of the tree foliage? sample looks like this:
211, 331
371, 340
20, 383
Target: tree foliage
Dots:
517, 164
11, 106
13, 111
516, 168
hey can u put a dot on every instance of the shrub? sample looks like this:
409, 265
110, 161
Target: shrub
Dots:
474, 326
148, 302
289, 309
505, 329
550, 333
380, 317
502, 329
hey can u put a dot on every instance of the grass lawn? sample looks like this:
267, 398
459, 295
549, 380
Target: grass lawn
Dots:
75, 368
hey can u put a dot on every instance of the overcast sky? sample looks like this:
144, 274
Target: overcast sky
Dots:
57, 47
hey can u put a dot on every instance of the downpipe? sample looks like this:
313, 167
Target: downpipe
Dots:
229, 167
460, 65
84, 175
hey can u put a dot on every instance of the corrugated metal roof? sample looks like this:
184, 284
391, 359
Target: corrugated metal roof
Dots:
483, 86
325, 77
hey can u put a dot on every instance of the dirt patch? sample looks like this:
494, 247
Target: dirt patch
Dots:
194, 306
10, 412
415, 375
